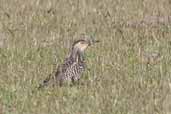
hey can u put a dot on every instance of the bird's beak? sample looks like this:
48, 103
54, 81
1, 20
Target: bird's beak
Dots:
96, 41
93, 42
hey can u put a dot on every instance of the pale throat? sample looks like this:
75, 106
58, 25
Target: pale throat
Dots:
78, 51
81, 47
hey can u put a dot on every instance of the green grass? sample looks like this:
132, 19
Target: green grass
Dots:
36, 34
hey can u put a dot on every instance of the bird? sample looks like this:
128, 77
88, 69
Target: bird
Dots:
74, 65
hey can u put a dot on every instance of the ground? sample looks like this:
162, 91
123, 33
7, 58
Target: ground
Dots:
36, 35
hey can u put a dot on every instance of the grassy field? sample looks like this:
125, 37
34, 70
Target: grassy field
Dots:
36, 34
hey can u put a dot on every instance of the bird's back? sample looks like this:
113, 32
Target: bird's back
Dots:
66, 73
70, 71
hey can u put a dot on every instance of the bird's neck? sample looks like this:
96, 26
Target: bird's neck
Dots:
76, 55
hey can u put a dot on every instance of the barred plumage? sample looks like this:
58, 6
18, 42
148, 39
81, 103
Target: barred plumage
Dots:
71, 71
73, 66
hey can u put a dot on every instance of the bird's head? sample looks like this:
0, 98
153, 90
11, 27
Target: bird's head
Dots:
80, 46
83, 43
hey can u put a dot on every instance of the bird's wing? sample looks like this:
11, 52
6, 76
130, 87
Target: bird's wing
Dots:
67, 63
56, 75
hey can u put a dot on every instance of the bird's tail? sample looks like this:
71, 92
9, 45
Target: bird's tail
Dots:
46, 82
51, 79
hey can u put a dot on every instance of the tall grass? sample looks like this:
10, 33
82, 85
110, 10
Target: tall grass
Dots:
36, 34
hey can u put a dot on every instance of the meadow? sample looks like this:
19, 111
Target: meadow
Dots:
36, 36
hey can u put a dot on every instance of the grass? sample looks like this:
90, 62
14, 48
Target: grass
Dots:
36, 34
